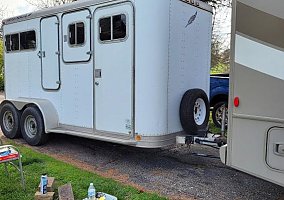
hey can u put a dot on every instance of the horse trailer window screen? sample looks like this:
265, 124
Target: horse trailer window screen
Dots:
15, 42
72, 35
8, 43
27, 40
119, 26
113, 28
105, 29
20, 41
77, 34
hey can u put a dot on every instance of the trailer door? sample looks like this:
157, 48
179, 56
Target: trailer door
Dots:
113, 68
49, 53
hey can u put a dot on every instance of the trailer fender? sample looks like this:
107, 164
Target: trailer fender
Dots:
48, 111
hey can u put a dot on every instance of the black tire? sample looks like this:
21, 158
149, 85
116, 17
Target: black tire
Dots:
217, 114
10, 121
32, 127
188, 111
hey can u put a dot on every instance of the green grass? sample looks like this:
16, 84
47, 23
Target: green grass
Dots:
212, 126
35, 164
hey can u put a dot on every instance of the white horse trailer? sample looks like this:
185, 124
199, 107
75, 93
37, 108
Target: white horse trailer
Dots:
256, 116
132, 72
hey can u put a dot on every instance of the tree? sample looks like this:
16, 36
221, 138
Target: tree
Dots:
221, 34
2, 13
48, 3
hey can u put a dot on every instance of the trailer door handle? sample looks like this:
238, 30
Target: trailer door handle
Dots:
98, 73
279, 149
97, 83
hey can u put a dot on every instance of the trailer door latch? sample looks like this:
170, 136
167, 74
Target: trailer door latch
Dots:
279, 149
98, 73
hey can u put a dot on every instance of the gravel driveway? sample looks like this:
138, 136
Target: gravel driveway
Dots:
173, 172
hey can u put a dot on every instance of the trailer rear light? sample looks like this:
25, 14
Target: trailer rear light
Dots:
138, 138
237, 102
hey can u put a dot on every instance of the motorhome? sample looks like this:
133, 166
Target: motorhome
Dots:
256, 114
133, 72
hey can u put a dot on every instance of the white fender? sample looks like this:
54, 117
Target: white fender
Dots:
49, 113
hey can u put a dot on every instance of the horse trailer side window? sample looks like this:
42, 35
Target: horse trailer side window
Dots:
15, 42
80, 33
119, 26
20, 41
77, 34
105, 29
113, 28
8, 43
27, 40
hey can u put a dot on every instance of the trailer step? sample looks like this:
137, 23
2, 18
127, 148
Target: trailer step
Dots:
119, 139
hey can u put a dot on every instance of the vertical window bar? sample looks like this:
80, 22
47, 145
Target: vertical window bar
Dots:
76, 37
19, 41
111, 27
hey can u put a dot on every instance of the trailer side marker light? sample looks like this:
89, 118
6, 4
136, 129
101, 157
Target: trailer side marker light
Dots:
138, 138
237, 102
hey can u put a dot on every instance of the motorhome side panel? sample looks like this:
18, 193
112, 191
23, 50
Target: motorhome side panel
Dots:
256, 133
189, 55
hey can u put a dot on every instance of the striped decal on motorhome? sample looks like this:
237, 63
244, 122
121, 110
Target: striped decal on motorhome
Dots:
260, 25
259, 57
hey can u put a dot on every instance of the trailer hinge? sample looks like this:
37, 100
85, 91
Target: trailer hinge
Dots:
57, 23
58, 82
57, 53
89, 53
89, 17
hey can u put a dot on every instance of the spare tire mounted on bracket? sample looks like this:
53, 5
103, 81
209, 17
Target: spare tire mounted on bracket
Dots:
194, 112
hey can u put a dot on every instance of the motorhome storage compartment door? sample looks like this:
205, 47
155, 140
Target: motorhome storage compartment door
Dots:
49, 53
76, 36
275, 149
113, 28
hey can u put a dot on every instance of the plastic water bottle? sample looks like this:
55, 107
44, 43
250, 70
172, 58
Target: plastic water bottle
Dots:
92, 192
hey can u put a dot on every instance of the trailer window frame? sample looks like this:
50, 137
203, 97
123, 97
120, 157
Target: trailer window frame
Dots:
113, 40
19, 50
76, 34
35, 40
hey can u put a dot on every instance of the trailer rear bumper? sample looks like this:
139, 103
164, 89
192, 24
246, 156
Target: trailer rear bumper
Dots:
223, 154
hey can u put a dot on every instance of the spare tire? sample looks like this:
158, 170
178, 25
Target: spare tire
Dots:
194, 111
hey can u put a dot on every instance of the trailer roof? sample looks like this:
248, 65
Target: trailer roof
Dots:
82, 4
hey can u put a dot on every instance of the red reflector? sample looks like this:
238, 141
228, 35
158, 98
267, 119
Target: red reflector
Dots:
237, 102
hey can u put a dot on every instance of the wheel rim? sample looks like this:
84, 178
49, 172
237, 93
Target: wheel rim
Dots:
30, 126
219, 115
8, 121
199, 111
